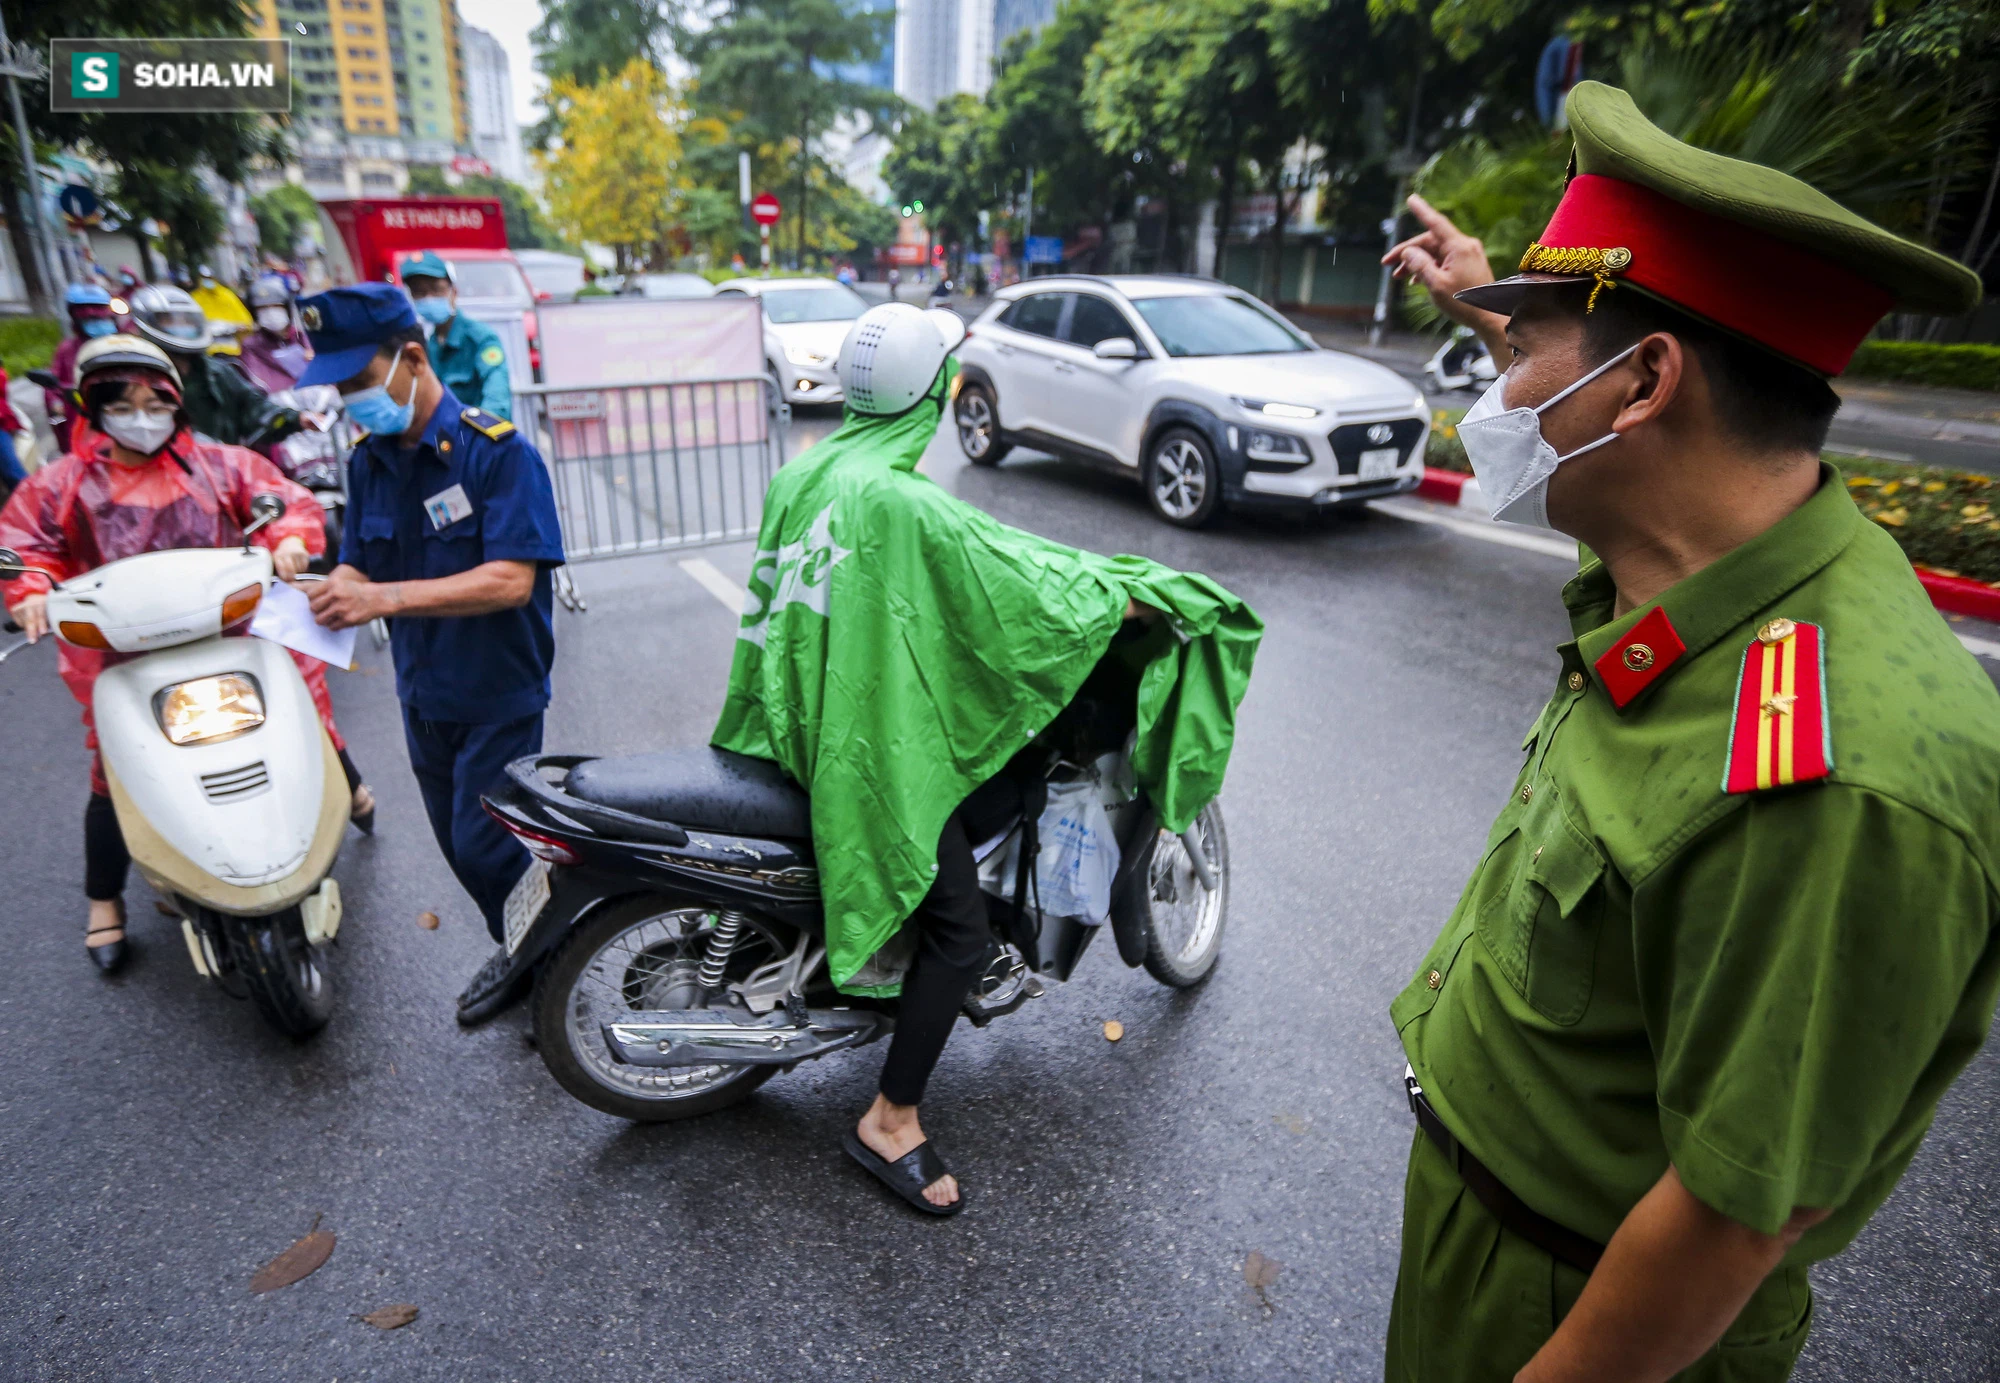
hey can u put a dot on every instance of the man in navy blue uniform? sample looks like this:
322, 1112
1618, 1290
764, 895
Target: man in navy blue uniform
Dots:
451, 536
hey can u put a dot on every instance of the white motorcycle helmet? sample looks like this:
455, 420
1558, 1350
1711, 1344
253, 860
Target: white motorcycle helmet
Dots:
892, 355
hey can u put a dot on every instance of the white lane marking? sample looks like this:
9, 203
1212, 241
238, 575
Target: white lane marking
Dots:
715, 583
1486, 530
1978, 647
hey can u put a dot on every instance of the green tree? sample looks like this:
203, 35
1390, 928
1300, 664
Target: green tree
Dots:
1038, 120
281, 215
939, 160
588, 40
769, 69
528, 226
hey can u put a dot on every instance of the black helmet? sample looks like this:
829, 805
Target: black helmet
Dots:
170, 318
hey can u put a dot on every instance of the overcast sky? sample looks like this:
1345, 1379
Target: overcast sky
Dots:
509, 21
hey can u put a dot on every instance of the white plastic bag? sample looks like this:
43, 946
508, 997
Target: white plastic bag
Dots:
1079, 856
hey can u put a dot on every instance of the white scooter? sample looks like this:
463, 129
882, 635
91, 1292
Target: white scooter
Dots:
227, 788
1462, 362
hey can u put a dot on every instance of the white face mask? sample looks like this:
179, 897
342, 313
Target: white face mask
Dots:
143, 432
1510, 457
274, 320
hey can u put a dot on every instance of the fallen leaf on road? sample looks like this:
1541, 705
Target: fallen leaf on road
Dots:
1261, 1272
428, 921
1113, 1030
302, 1259
1292, 1123
391, 1317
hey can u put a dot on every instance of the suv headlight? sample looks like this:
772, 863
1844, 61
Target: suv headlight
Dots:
799, 355
1275, 410
209, 708
1276, 446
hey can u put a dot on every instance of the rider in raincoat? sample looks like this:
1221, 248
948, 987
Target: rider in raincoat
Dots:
137, 480
899, 647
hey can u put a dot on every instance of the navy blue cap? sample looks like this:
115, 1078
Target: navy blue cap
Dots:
348, 325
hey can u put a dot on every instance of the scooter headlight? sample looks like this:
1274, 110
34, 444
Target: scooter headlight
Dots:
209, 708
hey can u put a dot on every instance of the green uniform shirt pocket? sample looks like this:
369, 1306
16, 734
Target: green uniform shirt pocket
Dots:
1544, 908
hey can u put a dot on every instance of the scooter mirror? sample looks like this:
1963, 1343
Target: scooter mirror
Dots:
10, 564
265, 509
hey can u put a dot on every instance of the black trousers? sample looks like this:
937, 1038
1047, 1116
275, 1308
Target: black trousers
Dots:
107, 863
953, 939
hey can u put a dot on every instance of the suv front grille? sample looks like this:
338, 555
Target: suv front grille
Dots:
1351, 439
235, 784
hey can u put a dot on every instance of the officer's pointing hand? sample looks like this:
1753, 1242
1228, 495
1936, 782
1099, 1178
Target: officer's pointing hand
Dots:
346, 598
1445, 260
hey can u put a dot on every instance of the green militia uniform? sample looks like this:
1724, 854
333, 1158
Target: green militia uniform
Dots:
1737, 916
469, 358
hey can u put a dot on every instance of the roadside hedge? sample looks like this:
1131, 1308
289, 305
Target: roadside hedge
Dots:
1947, 521
27, 343
1444, 451
1964, 366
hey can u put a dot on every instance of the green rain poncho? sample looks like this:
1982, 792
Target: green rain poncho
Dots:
899, 646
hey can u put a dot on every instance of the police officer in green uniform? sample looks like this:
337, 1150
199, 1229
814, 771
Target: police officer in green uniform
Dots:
1733, 932
467, 355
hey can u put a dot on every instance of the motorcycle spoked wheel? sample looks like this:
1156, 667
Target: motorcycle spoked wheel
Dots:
1182, 921
639, 954
284, 973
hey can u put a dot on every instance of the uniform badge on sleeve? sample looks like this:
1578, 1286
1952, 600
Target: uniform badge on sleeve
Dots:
1779, 734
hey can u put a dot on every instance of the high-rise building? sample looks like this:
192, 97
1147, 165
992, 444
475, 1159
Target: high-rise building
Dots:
943, 47
494, 133
1011, 17
381, 87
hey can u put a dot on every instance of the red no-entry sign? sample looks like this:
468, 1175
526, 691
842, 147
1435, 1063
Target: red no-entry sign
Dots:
764, 209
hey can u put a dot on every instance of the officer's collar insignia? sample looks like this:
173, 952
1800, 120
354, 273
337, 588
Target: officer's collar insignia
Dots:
1636, 661
310, 316
1779, 733
485, 424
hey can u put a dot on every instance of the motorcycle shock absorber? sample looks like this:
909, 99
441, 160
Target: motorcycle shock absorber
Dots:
721, 941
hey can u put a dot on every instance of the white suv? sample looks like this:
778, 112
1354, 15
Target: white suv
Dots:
1202, 392
805, 320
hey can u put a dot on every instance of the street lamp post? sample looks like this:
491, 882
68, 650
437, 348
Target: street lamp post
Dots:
39, 235
1402, 164
1027, 219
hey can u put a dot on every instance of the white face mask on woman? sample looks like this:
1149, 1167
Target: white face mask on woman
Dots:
1511, 459
274, 320
144, 430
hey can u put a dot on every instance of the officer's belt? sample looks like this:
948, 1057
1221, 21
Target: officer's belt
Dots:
1559, 1242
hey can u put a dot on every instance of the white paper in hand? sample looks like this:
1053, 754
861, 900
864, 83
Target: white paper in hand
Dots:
285, 616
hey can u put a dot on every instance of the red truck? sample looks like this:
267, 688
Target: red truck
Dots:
369, 241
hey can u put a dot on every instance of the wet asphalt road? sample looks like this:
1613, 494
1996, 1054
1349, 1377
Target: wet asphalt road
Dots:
157, 1145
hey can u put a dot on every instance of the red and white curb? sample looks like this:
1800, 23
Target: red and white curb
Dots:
1449, 490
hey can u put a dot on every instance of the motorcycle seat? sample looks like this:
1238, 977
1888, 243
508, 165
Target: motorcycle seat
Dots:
706, 787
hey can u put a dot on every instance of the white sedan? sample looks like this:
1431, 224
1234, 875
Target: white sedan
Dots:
805, 320
1201, 392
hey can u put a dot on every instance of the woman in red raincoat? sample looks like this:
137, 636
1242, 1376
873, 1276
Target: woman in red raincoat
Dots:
136, 480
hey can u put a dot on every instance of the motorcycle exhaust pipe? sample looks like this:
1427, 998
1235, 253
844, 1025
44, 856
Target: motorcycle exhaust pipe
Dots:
720, 1037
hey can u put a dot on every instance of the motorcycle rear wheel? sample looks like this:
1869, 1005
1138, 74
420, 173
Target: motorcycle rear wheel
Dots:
1182, 921
639, 954
282, 970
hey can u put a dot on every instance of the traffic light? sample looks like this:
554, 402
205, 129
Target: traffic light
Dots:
908, 210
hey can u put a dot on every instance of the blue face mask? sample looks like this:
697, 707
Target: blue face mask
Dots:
376, 411
99, 326
437, 310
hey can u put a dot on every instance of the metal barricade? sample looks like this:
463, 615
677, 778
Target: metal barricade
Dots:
655, 466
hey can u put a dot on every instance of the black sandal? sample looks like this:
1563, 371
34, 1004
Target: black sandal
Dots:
365, 821
908, 1175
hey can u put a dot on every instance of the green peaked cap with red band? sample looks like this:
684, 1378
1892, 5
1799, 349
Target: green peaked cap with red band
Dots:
1753, 250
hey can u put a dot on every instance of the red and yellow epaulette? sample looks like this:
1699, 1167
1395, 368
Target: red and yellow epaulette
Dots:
1779, 734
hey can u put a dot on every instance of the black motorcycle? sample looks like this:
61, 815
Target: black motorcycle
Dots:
674, 911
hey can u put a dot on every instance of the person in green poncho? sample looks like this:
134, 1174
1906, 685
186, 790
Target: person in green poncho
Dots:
897, 649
